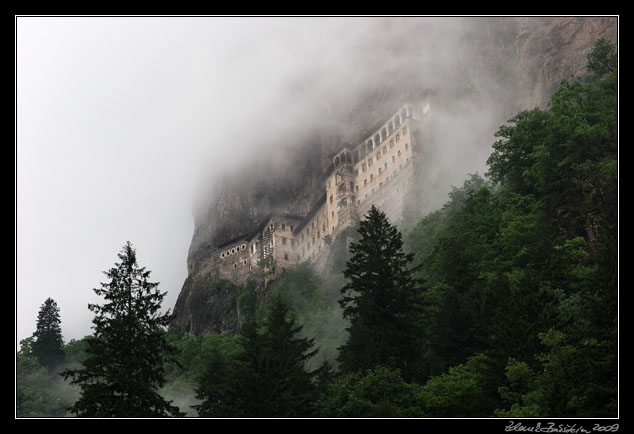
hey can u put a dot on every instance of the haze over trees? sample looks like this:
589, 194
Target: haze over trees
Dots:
503, 303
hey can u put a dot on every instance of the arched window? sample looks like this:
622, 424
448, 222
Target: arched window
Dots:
383, 134
377, 140
337, 161
390, 128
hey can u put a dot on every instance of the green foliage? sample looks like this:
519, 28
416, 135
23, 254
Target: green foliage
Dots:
570, 381
266, 378
125, 364
539, 252
314, 299
380, 392
603, 59
466, 390
40, 392
382, 299
48, 345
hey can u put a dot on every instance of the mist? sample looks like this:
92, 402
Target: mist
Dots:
125, 125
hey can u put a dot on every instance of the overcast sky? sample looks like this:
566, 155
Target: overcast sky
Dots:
117, 119
114, 117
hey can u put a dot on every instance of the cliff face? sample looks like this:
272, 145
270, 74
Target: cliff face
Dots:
496, 67
549, 50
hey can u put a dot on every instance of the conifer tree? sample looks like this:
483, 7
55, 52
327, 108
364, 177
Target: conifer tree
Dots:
48, 345
127, 352
290, 389
382, 299
267, 378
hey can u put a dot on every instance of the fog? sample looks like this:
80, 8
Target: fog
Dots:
120, 120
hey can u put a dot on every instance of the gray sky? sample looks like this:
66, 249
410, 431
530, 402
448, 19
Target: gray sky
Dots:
119, 117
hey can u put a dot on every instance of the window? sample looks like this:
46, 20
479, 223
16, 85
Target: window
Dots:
365, 181
385, 147
235, 265
283, 241
244, 246
233, 251
357, 188
222, 255
333, 213
378, 155
244, 262
371, 177
331, 199
363, 167
393, 158
405, 145
385, 166
399, 152
291, 227
286, 256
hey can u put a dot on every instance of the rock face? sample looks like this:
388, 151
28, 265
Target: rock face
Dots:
494, 68
555, 49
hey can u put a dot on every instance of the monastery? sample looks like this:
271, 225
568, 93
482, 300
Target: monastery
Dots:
376, 171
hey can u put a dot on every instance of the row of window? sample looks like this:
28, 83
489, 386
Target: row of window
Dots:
234, 250
381, 185
362, 150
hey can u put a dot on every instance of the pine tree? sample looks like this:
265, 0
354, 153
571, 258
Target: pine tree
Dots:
290, 389
48, 345
127, 352
382, 299
267, 378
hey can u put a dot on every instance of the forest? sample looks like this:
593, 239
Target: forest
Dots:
501, 304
